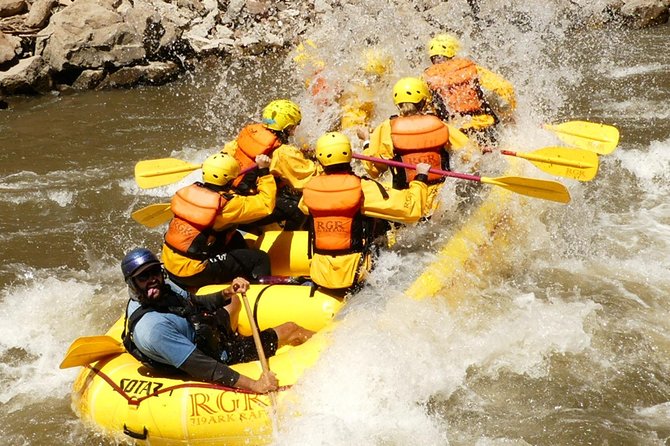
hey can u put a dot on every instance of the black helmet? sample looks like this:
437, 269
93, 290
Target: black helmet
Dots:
136, 261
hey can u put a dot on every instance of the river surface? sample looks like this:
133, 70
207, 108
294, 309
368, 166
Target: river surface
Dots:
566, 341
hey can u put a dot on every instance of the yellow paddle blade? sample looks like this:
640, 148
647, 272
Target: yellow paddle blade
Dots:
457, 138
577, 164
153, 215
599, 138
532, 187
161, 172
88, 349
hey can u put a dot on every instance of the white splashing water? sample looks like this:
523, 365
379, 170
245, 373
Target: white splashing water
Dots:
389, 360
44, 315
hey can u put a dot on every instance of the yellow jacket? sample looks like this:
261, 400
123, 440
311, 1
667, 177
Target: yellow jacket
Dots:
291, 165
287, 163
238, 210
403, 206
381, 146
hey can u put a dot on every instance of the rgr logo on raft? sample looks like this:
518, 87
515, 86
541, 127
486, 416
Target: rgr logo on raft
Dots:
226, 407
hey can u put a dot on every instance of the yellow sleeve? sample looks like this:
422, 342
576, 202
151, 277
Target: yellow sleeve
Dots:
497, 84
230, 147
303, 207
289, 164
381, 146
246, 209
403, 206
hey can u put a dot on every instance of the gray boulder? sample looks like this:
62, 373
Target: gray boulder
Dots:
9, 8
29, 76
88, 79
89, 34
155, 73
644, 13
39, 14
10, 48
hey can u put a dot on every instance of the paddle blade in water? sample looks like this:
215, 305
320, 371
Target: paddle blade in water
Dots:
599, 138
161, 172
88, 349
153, 215
564, 162
532, 187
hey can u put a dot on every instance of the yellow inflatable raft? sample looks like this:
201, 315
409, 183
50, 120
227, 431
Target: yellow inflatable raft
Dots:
126, 399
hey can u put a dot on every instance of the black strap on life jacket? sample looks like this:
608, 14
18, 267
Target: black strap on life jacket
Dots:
382, 190
206, 334
128, 327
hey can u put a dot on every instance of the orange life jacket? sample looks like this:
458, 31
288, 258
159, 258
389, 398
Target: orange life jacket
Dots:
190, 231
456, 83
334, 202
253, 140
419, 139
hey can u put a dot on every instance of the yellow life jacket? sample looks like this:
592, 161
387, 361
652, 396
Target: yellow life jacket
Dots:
253, 140
190, 231
334, 202
456, 83
419, 139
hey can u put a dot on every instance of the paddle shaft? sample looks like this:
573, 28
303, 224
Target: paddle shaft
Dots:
546, 190
446, 173
542, 159
255, 334
257, 340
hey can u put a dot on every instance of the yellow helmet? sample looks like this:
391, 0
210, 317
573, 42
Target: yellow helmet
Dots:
280, 114
410, 89
333, 148
443, 45
375, 62
219, 169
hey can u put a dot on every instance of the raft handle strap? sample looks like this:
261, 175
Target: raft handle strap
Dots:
137, 436
258, 300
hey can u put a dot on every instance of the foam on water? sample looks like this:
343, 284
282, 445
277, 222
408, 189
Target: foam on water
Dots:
651, 166
391, 360
623, 72
44, 312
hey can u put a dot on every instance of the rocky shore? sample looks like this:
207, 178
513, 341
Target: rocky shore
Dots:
48, 45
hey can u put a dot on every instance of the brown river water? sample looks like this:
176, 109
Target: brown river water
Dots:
567, 342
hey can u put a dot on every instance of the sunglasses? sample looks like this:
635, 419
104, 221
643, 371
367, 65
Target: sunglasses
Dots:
149, 273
